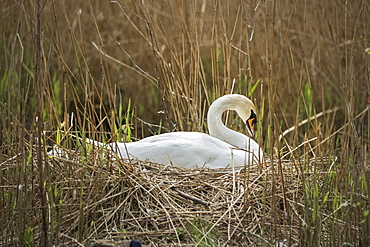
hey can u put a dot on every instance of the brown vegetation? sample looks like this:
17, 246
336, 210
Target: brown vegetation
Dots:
122, 71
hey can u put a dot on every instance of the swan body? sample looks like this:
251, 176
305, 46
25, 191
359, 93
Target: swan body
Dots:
221, 148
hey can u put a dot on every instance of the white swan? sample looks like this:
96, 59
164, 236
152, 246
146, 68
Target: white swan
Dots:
221, 148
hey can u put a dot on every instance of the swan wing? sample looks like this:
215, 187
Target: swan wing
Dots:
186, 149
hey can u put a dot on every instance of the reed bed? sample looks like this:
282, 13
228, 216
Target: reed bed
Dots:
125, 70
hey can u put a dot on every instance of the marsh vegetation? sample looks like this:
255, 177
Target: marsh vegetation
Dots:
124, 70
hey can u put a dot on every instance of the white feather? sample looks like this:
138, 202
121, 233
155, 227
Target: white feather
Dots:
223, 147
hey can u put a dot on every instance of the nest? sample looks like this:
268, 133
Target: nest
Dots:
95, 196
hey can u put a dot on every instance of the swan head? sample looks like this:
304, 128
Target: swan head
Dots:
239, 103
247, 112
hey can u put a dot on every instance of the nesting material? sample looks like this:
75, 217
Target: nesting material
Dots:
92, 195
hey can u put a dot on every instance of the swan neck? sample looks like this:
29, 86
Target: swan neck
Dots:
215, 125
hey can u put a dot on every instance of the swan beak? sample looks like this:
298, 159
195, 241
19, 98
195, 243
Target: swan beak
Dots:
250, 126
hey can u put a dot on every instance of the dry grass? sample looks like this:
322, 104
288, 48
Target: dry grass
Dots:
161, 205
122, 71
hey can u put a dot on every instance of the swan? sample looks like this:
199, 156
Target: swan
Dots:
223, 147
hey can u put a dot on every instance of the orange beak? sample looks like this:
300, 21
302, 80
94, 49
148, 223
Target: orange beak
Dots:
250, 126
